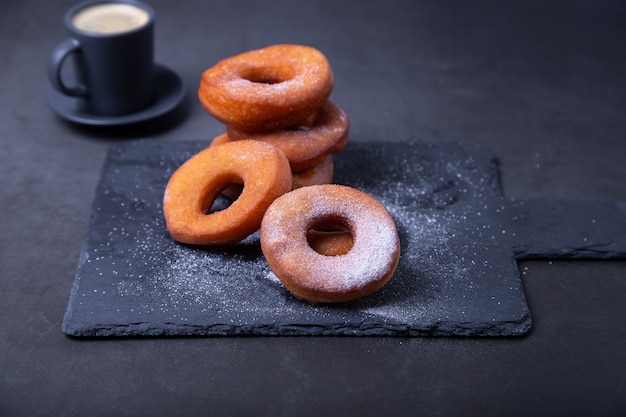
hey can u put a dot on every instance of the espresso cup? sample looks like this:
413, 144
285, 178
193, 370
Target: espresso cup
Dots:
112, 43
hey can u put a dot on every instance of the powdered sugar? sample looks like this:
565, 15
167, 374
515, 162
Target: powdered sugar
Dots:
371, 259
134, 279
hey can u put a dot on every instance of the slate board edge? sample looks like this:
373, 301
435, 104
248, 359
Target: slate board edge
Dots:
519, 328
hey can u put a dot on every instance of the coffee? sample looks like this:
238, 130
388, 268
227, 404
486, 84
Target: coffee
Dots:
110, 18
115, 40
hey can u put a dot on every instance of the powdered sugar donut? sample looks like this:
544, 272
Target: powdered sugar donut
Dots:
194, 186
306, 145
268, 88
317, 278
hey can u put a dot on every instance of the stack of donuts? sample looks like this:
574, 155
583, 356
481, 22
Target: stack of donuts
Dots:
279, 95
275, 161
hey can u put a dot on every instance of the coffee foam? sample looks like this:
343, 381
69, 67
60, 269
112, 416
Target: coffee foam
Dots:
110, 18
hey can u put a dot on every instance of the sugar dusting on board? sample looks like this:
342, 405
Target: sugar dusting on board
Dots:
436, 197
419, 205
441, 204
218, 279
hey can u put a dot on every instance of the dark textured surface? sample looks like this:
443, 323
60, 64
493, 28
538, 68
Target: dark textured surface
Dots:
456, 275
540, 83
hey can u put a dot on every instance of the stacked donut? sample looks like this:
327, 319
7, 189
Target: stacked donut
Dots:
279, 95
325, 242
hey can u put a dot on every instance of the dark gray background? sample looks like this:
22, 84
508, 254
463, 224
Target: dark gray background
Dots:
540, 83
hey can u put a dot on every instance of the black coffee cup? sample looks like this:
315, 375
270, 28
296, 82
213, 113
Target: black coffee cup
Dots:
112, 42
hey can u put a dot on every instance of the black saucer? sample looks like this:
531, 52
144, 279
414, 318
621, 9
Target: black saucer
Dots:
170, 92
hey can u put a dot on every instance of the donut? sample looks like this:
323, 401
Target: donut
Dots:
268, 88
319, 174
219, 140
232, 190
304, 146
318, 278
194, 186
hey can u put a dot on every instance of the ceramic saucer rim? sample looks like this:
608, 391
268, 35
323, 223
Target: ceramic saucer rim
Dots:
170, 93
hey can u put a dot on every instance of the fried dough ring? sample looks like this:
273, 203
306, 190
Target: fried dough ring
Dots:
194, 186
306, 147
312, 276
319, 174
268, 88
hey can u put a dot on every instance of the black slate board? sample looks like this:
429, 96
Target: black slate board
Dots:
457, 275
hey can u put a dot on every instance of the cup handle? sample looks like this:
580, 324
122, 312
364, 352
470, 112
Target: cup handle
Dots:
55, 63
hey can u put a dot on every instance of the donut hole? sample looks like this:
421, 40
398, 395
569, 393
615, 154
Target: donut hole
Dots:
232, 191
330, 238
268, 75
220, 203
229, 191
300, 128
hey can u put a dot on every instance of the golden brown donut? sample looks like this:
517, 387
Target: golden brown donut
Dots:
232, 190
268, 88
306, 147
219, 140
317, 278
194, 186
321, 173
